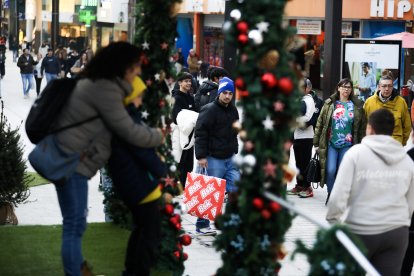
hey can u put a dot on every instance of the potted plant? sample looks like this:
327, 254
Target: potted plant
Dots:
13, 180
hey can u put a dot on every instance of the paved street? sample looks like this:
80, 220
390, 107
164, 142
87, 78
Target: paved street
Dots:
42, 207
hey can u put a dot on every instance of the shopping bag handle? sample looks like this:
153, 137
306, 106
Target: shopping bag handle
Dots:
202, 170
316, 156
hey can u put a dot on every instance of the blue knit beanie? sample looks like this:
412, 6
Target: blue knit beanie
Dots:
225, 84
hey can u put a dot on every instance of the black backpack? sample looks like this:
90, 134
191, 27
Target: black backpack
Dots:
318, 107
45, 111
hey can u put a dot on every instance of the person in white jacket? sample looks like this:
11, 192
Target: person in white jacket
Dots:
375, 183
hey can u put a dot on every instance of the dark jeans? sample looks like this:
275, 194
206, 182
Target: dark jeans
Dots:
303, 153
407, 265
143, 243
186, 164
386, 250
38, 84
73, 202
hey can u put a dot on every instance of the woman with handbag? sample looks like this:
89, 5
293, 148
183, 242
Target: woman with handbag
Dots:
341, 124
100, 92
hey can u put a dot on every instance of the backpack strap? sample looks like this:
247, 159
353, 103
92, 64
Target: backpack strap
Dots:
74, 125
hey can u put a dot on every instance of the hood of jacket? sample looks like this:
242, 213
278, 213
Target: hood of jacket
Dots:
394, 94
207, 86
385, 147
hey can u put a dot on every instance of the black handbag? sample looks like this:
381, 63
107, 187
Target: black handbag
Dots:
313, 171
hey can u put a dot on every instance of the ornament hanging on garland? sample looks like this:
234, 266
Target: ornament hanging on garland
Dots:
270, 60
269, 80
266, 214
243, 39
256, 36
242, 27
258, 203
240, 83
235, 14
185, 240
285, 85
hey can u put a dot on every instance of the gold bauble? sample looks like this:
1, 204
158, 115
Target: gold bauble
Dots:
168, 197
270, 60
175, 9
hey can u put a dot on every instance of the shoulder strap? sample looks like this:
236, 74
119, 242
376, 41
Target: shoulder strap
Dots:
74, 125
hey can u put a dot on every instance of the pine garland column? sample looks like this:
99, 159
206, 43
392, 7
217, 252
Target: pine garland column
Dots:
155, 35
253, 227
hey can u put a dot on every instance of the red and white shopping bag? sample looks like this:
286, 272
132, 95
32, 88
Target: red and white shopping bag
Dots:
204, 195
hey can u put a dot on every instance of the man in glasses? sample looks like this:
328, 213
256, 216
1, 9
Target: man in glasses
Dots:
389, 98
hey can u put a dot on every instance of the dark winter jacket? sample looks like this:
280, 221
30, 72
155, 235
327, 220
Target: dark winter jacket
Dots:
214, 132
135, 171
26, 64
182, 101
50, 65
205, 94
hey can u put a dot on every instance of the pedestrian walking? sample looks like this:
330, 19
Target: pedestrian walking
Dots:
340, 125
38, 73
107, 81
207, 92
192, 61
136, 172
50, 66
302, 145
14, 47
389, 98
375, 184
25, 63
183, 100
2, 61
216, 142
79, 65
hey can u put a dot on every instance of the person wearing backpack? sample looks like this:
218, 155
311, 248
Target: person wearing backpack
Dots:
207, 92
318, 103
302, 145
25, 63
100, 92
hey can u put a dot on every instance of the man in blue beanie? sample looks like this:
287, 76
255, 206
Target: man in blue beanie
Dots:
216, 142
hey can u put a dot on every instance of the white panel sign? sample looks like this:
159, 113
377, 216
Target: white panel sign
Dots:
309, 27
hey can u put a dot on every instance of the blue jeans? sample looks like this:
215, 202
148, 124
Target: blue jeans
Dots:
225, 169
50, 77
73, 199
334, 159
27, 80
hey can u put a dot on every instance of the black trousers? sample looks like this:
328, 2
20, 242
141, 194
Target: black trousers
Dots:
186, 164
143, 243
38, 83
386, 250
408, 261
303, 153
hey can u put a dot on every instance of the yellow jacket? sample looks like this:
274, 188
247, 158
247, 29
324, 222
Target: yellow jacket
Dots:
398, 107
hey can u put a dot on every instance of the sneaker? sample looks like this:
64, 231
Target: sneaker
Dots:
306, 193
206, 231
295, 191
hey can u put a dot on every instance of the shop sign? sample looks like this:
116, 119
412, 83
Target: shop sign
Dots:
86, 16
89, 3
378, 8
195, 6
309, 27
346, 28
216, 6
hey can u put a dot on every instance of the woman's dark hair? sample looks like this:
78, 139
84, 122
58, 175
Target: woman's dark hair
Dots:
342, 83
112, 61
204, 69
218, 72
382, 121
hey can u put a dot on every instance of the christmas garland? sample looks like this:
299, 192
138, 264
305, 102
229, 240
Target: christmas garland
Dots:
253, 227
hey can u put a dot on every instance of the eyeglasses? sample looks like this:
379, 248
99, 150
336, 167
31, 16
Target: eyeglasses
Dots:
385, 86
346, 87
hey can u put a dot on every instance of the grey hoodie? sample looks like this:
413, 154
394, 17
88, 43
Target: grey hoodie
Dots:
375, 181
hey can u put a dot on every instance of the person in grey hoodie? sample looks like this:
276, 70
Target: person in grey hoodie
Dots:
100, 92
375, 182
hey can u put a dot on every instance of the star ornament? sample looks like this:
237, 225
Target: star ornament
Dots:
164, 46
169, 181
263, 26
157, 77
145, 45
270, 169
268, 123
144, 114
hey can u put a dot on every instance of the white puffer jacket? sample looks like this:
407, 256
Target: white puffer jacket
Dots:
180, 138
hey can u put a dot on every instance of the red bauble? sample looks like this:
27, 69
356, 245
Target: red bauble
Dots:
242, 27
162, 103
285, 85
185, 240
243, 39
169, 209
269, 80
185, 256
174, 221
239, 83
178, 226
274, 207
177, 254
258, 203
243, 93
179, 246
266, 214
